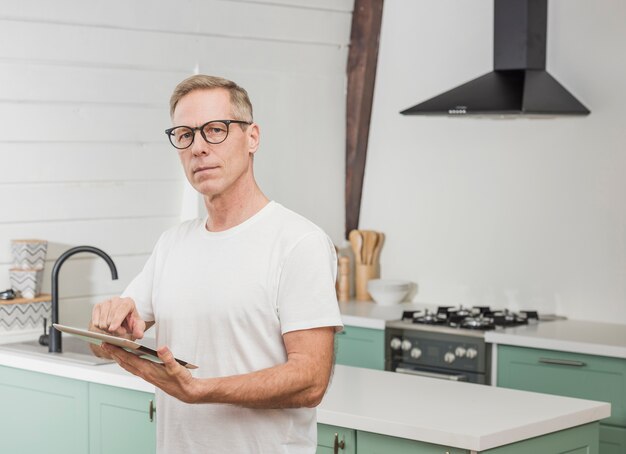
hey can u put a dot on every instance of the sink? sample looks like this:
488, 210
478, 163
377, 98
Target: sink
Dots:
74, 350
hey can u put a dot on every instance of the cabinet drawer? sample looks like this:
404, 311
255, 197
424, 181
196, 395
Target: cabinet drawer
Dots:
326, 439
612, 440
567, 374
361, 347
371, 443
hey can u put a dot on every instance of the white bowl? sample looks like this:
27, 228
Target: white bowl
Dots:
387, 292
389, 283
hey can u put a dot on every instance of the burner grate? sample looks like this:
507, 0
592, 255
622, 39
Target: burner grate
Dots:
476, 317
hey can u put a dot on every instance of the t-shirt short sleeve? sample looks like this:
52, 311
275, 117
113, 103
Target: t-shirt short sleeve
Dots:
306, 290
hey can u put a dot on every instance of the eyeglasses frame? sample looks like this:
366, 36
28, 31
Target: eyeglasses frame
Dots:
201, 129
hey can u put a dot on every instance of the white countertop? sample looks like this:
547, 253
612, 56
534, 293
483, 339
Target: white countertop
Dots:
104, 374
577, 336
455, 414
368, 314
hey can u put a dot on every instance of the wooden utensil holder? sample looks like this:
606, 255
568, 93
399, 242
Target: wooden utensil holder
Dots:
363, 274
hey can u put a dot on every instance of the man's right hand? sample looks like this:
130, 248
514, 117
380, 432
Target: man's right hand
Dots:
118, 316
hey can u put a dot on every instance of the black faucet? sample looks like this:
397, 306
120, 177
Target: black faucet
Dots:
54, 340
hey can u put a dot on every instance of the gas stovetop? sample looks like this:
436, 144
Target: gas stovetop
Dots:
477, 318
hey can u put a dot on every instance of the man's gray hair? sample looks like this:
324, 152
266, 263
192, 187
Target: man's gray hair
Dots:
239, 100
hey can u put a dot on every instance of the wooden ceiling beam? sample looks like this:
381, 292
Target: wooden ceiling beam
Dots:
362, 60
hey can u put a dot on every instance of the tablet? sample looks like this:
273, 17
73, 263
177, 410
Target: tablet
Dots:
126, 344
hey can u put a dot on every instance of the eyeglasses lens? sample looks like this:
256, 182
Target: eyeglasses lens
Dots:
182, 137
215, 131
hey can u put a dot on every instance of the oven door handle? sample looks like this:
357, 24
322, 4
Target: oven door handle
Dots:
421, 373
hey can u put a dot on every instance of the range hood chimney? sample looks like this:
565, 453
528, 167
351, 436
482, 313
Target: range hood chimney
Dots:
519, 83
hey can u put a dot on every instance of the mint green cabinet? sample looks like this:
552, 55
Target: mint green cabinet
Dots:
361, 347
121, 420
612, 439
577, 440
566, 374
573, 375
42, 413
54, 415
328, 436
370, 443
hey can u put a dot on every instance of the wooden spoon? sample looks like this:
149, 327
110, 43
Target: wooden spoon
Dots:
356, 240
379, 246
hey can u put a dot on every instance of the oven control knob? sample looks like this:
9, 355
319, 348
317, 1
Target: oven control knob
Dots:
395, 343
406, 345
416, 353
460, 352
471, 353
449, 357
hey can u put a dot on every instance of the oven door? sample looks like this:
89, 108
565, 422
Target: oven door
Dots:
443, 374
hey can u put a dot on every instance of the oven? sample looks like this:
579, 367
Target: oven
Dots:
449, 343
437, 352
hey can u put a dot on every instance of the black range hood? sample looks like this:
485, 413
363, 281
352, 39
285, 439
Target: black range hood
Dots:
519, 83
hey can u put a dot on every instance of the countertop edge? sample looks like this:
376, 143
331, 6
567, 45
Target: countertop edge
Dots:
408, 432
519, 340
537, 429
363, 322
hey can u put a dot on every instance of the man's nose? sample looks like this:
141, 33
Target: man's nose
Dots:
199, 146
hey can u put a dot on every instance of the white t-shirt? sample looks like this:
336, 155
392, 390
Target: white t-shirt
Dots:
222, 300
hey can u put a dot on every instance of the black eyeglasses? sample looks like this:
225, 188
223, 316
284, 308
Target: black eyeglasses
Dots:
214, 132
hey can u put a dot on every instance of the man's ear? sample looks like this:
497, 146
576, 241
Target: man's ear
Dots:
253, 134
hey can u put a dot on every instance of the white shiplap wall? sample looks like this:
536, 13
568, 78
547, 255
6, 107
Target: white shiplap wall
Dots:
84, 88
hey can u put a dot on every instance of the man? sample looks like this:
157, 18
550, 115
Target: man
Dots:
247, 294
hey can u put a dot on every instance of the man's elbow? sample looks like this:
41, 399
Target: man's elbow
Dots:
315, 395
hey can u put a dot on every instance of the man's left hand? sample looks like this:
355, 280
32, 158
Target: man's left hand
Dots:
170, 376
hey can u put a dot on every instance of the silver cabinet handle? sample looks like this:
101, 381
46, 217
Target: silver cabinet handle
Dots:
152, 410
337, 445
562, 362
422, 373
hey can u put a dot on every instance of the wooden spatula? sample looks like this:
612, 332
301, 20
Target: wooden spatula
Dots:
356, 240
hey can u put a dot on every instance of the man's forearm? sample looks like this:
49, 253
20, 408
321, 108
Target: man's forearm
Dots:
288, 385
300, 382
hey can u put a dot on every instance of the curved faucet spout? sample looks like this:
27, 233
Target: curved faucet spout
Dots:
55, 336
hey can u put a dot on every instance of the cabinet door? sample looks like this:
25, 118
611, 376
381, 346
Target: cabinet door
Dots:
566, 374
576, 440
370, 443
120, 421
42, 413
346, 439
612, 440
361, 347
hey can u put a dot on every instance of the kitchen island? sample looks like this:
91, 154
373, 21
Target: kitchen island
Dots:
472, 418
